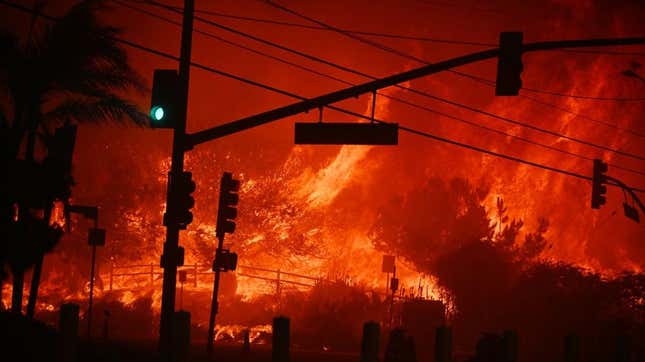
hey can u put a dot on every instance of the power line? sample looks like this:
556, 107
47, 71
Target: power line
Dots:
423, 61
577, 96
283, 92
456, 104
314, 27
380, 34
603, 52
476, 78
424, 108
425, 94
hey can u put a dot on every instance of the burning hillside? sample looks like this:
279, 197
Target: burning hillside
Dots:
470, 229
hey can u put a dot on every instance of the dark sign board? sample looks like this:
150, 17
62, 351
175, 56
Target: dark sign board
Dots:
347, 133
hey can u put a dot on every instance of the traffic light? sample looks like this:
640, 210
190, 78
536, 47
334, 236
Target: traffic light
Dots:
182, 200
598, 189
225, 260
164, 107
168, 257
228, 199
509, 64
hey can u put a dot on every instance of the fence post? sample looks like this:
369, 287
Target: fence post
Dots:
152, 275
277, 280
370, 344
195, 273
111, 274
281, 337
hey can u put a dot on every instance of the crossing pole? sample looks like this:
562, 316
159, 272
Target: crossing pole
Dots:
171, 258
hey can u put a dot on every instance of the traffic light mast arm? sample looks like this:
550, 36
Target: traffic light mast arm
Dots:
372, 86
623, 186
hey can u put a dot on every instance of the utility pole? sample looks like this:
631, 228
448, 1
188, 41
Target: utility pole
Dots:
171, 251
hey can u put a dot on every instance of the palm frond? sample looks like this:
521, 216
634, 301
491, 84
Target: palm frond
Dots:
96, 110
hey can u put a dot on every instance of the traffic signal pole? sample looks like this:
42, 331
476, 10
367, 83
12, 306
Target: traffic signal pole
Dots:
171, 246
214, 302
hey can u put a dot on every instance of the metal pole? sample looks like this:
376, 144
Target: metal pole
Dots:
392, 300
171, 244
195, 272
278, 291
214, 303
89, 308
387, 283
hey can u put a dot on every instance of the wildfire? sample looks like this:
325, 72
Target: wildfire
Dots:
301, 225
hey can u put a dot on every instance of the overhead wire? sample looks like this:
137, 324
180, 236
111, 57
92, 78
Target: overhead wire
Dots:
456, 104
293, 95
314, 27
383, 35
400, 100
463, 74
425, 94
473, 109
488, 82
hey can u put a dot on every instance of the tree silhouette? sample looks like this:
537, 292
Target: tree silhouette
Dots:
431, 220
71, 71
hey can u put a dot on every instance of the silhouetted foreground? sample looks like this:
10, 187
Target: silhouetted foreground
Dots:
24, 339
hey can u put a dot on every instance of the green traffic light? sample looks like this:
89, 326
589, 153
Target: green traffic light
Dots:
157, 113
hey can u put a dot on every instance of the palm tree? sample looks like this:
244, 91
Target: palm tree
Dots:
68, 71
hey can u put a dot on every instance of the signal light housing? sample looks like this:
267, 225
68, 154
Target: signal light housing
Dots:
228, 199
167, 258
509, 64
225, 260
598, 189
164, 105
182, 200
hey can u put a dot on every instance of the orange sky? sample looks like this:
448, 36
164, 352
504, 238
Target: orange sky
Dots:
601, 239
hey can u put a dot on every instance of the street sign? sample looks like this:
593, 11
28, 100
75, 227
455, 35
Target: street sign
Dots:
347, 133
631, 212
388, 264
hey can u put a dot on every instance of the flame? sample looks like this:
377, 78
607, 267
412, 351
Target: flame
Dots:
308, 211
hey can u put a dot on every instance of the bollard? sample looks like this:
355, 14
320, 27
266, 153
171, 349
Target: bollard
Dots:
281, 337
509, 346
395, 351
410, 352
571, 348
181, 334
68, 328
106, 319
370, 343
246, 347
623, 349
443, 344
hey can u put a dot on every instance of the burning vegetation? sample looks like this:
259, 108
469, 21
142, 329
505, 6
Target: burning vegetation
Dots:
500, 244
